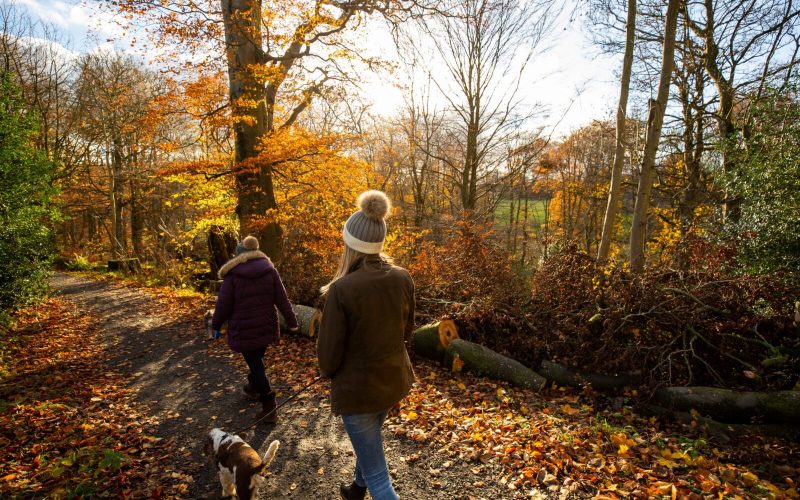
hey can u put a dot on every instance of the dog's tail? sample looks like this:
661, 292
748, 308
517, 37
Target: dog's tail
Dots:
270, 454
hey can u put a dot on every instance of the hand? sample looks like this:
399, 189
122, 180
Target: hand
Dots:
216, 334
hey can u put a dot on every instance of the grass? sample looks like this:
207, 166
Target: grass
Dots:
536, 212
80, 263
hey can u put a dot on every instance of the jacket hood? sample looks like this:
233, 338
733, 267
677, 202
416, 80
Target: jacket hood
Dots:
247, 264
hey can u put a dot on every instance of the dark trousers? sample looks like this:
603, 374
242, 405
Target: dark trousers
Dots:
257, 376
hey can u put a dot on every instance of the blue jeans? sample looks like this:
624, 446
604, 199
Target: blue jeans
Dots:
371, 470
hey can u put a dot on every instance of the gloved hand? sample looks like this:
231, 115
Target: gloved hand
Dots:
216, 334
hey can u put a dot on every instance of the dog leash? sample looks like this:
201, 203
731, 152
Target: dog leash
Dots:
282, 403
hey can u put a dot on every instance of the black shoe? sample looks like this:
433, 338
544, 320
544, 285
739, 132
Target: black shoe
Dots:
249, 392
352, 491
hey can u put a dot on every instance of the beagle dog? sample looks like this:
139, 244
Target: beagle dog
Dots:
238, 464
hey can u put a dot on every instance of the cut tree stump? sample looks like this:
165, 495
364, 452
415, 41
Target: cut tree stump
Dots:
125, 265
475, 358
725, 405
563, 376
430, 341
307, 317
221, 248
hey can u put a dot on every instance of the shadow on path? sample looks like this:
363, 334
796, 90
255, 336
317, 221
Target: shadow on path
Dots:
191, 385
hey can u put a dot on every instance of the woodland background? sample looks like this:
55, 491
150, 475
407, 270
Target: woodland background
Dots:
664, 242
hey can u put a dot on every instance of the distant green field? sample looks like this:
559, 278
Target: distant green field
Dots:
536, 212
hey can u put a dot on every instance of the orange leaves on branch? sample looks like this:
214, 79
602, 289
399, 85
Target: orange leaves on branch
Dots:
265, 73
303, 148
316, 185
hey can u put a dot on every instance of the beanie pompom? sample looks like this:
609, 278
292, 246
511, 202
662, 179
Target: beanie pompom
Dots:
374, 204
250, 243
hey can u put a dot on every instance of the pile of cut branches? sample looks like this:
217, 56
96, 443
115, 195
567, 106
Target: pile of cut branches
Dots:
678, 328
674, 327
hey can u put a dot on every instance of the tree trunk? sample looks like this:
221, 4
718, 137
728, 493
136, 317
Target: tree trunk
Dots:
693, 145
469, 183
563, 376
725, 405
256, 196
91, 224
654, 121
484, 361
137, 219
124, 265
524, 253
116, 195
726, 432
724, 115
419, 203
615, 187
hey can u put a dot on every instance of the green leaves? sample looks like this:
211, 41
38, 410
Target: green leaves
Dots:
767, 183
25, 191
111, 460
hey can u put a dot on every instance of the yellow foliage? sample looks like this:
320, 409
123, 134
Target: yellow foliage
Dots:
666, 234
209, 203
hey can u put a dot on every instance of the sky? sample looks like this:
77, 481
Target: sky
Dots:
570, 78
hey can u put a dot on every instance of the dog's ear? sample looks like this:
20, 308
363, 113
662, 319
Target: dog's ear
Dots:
270, 454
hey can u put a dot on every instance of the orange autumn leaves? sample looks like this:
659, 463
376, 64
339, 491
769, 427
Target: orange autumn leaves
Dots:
316, 183
69, 428
569, 444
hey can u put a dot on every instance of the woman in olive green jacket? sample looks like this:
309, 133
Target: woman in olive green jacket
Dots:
368, 317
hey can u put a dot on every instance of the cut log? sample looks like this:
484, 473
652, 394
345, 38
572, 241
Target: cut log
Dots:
484, 361
447, 332
430, 341
563, 376
125, 265
725, 432
307, 317
725, 405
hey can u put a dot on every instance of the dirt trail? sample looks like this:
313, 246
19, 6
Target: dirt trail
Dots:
191, 384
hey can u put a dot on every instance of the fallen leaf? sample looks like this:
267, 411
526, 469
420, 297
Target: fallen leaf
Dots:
458, 364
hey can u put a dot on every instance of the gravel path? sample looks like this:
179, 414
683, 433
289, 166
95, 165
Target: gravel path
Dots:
191, 385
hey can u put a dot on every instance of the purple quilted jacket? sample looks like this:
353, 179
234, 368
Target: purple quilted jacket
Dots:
251, 290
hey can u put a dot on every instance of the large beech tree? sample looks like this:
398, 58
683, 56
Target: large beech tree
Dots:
279, 56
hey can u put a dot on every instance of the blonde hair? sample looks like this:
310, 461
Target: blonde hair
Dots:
347, 261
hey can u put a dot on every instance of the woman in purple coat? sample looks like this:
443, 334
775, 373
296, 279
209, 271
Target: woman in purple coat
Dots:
251, 290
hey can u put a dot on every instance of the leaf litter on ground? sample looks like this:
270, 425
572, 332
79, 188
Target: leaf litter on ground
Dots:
564, 442
573, 442
68, 426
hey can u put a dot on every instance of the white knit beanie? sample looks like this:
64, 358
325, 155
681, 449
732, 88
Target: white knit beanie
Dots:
365, 230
